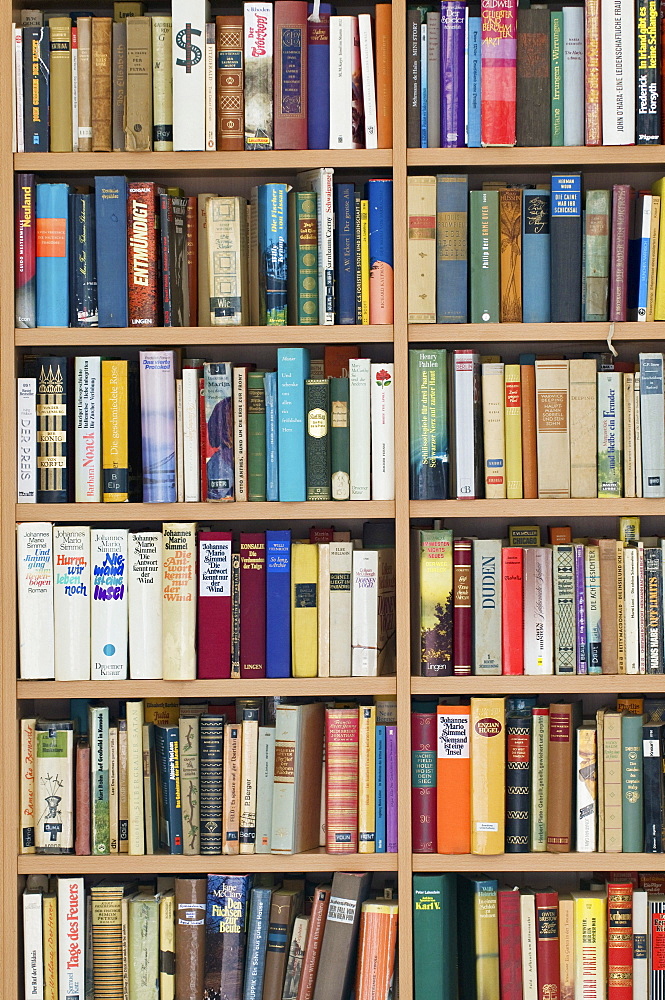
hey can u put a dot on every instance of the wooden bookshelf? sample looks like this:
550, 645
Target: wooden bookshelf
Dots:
516, 509
200, 864
561, 684
241, 688
202, 163
259, 511
545, 158
537, 862
183, 336
519, 333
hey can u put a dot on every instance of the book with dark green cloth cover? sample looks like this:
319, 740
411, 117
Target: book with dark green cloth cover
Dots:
484, 252
428, 425
303, 283
340, 442
317, 438
434, 936
632, 804
256, 436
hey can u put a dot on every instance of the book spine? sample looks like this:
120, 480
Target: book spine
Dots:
318, 79
581, 623
648, 87
33, 948
214, 605
652, 407
538, 612
359, 427
421, 205
367, 64
380, 208
547, 943
272, 433
452, 82
158, 425
18, 130
563, 578
586, 802
52, 255
115, 457
494, 438
71, 937
248, 781
278, 604
317, 440
87, 416
382, 410
27, 787
114, 845
179, 601
292, 371
108, 609
138, 109
593, 105
510, 945
99, 779
253, 604
423, 782
304, 610
632, 804
36, 86
573, 77
135, 814
188, 743
34, 557
118, 83
498, 73
640, 943
413, 77
561, 743
239, 376
341, 781
539, 771
487, 607
188, 33
257, 942
24, 251
345, 298
272, 249
231, 801
264, 789
230, 82
162, 83
303, 258
518, 782
597, 255
364, 618
258, 24
82, 262
71, 602
487, 753
54, 772
227, 292
211, 783
210, 88
145, 586
111, 246
533, 101
617, 34
290, 74
484, 255
143, 256
217, 432
340, 438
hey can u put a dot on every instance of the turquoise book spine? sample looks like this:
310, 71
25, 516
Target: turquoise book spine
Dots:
292, 372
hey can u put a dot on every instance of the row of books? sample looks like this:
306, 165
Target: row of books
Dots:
473, 935
180, 604
233, 936
520, 253
202, 782
269, 78
136, 253
498, 76
512, 775
544, 427
585, 606
172, 429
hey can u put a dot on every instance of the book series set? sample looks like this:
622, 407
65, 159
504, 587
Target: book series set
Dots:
282, 75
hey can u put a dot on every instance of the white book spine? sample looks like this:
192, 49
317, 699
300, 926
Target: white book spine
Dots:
108, 616
259, 122
617, 60
341, 81
14, 103
538, 639
190, 429
179, 444
264, 788
652, 424
26, 427
211, 97
628, 434
179, 601
585, 772
573, 76
144, 586
189, 34
641, 610
75, 90
631, 609
466, 391
34, 567
18, 64
528, 933
71, 938
88, 433
369, 86
321, 181
341, 565
323, 610
71, 602
33, 948
365, 611
240, 431
638, 434
494, 430
640, 944
487, 606
382, 405
359, 428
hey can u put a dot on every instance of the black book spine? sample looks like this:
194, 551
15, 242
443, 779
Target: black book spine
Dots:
648, 85
167, 227
211, 782
533, 77
52, 376
36, 81
82, 262
653, 573
518, 783
652, 771
566, 249
413, 79
179, 277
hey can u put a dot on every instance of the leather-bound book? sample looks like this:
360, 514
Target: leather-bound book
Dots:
190, 913
101, 84
290, 69
230, 79
533, 77
564, 721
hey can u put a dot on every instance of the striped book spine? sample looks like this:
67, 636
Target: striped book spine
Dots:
107, 943
342, 780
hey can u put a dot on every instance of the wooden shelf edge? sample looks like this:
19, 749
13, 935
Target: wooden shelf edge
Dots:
537, 862
201, 162
305, 511
260, 687
543, 157
540, 684
537, 508
176, 864
473, 333
205, 335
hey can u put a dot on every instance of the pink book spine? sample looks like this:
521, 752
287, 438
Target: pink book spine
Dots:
498, 72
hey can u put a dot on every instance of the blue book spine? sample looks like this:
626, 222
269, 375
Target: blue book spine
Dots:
167, 745
473, 104
272, 231
536, 257
452, 269
226, 926
345, 253
292, 370
272, 453
380, 789
423, 86
638, 260
217, 387
111, 227
257, 942
278, 603
52, 261
380, 208
158, 425
318, 78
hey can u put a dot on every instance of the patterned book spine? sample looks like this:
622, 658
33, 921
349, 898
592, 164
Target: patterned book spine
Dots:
82, 261
226, 260
25, 249
226, 922
211, 782
423, 781
581, 626
230, 80
98, 726
272, 249
620, 940
547, 943
290, 74
518, 781
428, 432
341, 781
54, 787
108, 609
380, 198
593, 129
258, 24
563, 579
453, 27
27, 787
142, 254
510, 236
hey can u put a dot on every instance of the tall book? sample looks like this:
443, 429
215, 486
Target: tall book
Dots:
225, 934
214, 604
477, 934
71, 602
179, 601
498, 73
487, 752
564, 720
341, 780
429, 473
258, 61
108, 608
340, 935
230, 79
188, 32
566, 248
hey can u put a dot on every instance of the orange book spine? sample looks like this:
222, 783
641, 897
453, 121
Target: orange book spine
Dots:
310, 962
342, 780
376, 949
510, 225
453, 780
384, 75
529, 460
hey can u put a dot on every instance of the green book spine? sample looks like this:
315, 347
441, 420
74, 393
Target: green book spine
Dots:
556, 76
317, 441
98, 728
143, 947
597, 255
304, 255
256, 436
434, 944
632, 815
610, 434
484, 248
339, 438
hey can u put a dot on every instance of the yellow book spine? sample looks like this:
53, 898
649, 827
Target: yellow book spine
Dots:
135, 776
61, 84
590, 944
323, 611
304, 611
653, 257
50, 941
115, 447
367, 780
488, 751
250, 736
113, 789
659, 310
167, 946
364, 259
123, 802
161, 711
486, 920
513, 426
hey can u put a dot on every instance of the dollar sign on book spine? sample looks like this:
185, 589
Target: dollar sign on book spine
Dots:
192, 52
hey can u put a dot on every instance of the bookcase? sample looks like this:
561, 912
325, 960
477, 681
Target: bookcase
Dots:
641, 163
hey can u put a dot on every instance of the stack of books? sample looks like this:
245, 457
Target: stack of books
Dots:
137, 254
493, 75
230, 936
544, 426
181, 604
534, 253
240, 778
514, 775
271, 77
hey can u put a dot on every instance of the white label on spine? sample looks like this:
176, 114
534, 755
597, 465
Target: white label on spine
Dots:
26, 426
651, 748
34, 559
108, 646
342, 911
214, 568
33, 953
487, 827
71, 602
453, 737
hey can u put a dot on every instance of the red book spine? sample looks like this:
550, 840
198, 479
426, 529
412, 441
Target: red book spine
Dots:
192, 261
142, 254
620, 940
203, 441
621, 229
214, 605
291, 74
547, 945
317, 535
82, 828
252, 604
341, 780
498, 72
462, 614
593, 130
512, 611
423, 782
510, 944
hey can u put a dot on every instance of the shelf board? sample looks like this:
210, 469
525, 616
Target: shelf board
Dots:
611, 507
539, 684
255, 687
305, 511
252, 161
534, 157
145, 337
549, 333
176, 864
537, 862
